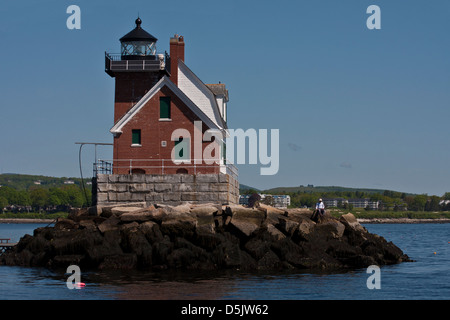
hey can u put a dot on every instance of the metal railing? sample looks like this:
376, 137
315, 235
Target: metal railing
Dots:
103, 167
113, 56
164, 166
114, 62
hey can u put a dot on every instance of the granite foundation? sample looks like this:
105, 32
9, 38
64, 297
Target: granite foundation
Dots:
171, 189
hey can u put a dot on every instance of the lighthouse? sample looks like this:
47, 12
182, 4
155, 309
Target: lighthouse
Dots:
168, 125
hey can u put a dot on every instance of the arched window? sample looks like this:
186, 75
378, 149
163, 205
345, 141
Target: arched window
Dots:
137, 171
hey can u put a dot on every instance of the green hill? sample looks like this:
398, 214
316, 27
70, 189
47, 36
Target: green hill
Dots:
243, 187
321, 189
24, 181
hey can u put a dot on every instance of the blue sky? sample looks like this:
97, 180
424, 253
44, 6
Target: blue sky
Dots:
355, 107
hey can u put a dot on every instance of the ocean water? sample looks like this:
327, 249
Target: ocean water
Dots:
425, 279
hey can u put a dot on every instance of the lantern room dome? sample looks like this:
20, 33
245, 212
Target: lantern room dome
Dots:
138, 34
138, 43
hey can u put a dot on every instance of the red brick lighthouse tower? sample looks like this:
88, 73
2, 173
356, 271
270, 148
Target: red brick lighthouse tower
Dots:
169, 126
136, 69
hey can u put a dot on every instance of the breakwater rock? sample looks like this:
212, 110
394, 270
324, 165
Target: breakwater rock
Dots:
203, 237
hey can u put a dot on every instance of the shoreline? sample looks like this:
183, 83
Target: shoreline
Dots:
26, 220
401, 220
360, 220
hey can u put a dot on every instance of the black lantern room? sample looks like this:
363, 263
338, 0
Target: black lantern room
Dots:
138, 44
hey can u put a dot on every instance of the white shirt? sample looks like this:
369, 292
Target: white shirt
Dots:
320, 205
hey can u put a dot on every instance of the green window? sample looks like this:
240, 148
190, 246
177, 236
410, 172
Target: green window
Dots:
136, 136
182, 149
224, 152
164, 107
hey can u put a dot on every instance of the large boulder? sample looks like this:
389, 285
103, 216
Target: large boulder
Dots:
287, 226
75, 214
119, 211
138, 214
62, 224
304, 229
350, 221
275, 233
135, 241
179, 226
330, 228
269, 209
245, 221
202, 211
151, 231
112, 223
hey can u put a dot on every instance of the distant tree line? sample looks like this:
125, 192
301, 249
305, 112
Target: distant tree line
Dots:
38, 199
24, 182
390, 200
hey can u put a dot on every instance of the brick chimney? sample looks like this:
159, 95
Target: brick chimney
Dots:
176, 52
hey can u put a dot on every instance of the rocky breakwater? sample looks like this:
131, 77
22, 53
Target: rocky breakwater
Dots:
203, 237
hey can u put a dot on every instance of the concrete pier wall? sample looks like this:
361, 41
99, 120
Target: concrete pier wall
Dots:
171, 189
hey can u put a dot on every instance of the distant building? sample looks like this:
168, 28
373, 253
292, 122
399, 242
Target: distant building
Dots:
356, 203
333, 202
69, 182
279, 201
243, 199
364, 203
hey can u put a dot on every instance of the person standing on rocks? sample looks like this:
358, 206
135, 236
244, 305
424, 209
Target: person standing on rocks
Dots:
320, 207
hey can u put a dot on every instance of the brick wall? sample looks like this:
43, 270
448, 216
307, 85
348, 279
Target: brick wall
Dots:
130, 88
171, 189
176, 52
153, 132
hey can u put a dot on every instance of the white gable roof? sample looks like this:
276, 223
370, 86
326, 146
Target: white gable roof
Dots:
199, 93
165, 81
